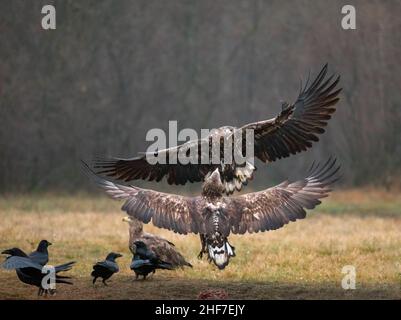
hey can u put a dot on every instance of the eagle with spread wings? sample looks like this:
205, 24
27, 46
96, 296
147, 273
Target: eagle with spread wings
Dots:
292, 131
214, 215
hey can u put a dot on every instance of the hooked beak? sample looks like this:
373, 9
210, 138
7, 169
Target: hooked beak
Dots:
215, 174
127, 219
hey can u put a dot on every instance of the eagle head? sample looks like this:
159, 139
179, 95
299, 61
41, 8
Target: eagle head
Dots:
213, 187
215, 176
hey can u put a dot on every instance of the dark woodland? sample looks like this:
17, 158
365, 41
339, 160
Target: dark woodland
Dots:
112, 70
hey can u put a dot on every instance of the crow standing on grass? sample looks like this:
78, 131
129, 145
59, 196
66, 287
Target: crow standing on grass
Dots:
30, 272
41, 255
146, 261
105, 269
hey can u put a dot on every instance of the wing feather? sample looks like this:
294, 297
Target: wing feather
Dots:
139, 168
297, 126
173, 212
273, 208
15, 262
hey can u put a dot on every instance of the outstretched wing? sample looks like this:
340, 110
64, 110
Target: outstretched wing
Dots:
273, 208
177, 213
139, 167
15, 262
166, 251
298, 125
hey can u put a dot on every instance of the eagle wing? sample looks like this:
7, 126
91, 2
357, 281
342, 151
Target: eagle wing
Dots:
166, 251
140, 168
298, 125
274, 207
173, 212
292, 131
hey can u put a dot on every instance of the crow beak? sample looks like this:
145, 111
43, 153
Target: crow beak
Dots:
49, 243
5, 252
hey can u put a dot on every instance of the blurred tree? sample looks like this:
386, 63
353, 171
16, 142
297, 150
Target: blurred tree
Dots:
113, 70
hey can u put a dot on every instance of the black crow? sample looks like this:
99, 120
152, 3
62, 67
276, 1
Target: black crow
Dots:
105, 269
146, 261
41, 255
30, 272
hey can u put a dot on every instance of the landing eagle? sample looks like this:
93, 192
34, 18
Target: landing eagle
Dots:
293, 130
214, 216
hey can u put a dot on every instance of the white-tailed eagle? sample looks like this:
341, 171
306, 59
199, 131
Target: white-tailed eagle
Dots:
214, 216
163, 248
293, 130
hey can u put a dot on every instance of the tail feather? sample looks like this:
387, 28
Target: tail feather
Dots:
64, 267
221, 255
165, 265
63, 281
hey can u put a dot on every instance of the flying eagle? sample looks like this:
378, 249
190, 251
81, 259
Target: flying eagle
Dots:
163, 248
214, 216
293, 130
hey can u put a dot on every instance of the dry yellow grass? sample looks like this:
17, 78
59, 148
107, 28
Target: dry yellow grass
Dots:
300, 261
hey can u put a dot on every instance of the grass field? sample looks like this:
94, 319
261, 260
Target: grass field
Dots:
303, 260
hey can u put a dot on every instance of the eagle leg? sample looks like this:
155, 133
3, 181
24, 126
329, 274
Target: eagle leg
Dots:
203, 244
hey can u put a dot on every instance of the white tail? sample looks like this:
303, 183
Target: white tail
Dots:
221, 255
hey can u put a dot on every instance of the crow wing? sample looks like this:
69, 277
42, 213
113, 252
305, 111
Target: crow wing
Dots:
109, 265
298, 125
15, 262
39, 257
274, 207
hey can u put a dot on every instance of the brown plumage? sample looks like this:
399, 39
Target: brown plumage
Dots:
214, 216
293, 130
163, 248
